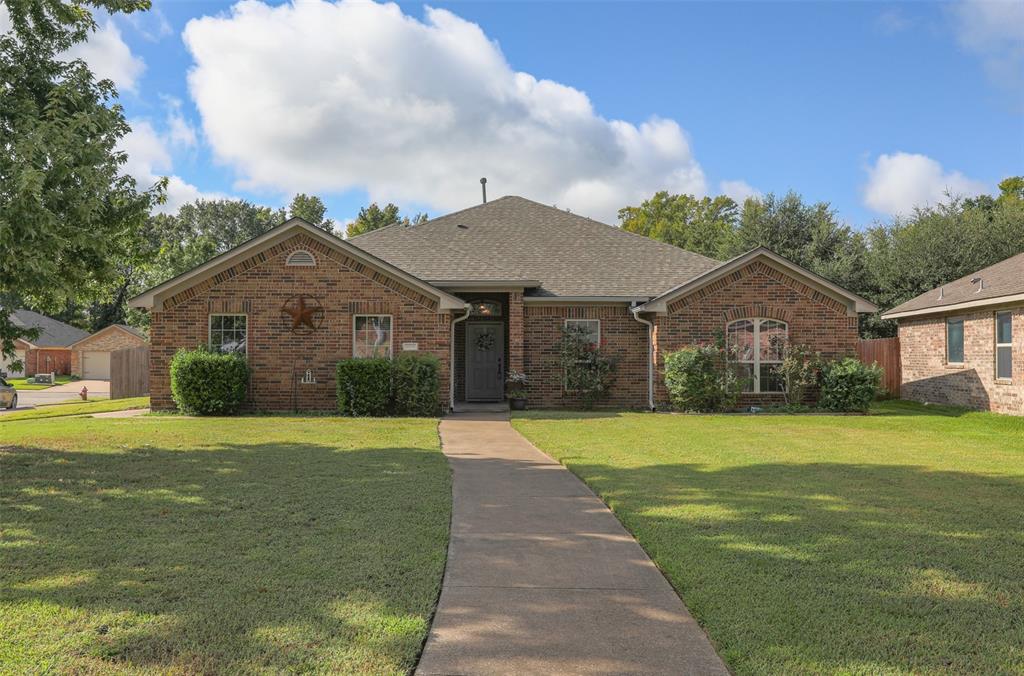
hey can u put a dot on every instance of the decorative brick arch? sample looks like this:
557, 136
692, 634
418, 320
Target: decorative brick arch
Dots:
757, 311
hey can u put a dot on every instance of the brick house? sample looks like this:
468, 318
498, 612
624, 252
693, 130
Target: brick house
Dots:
90, 356
963, 343
49, 351
487, 289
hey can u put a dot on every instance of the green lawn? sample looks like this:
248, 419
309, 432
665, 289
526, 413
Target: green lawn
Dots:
162, 544
23, 384
889, 543
74, 407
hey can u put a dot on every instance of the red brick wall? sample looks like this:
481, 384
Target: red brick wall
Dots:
622, 337
928, 377
258, 287
756, 290
42, 360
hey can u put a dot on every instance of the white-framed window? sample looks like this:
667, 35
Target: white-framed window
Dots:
228, 333
591, 328
300, 258
371, 336
756, 346
1004, 345
955, 340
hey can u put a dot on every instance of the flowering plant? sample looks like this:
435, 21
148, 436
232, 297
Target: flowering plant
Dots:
515, 384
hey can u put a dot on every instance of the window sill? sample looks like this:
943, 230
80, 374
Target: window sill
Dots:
955, 366
1004, 381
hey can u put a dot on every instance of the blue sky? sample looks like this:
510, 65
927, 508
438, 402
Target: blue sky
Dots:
873, 107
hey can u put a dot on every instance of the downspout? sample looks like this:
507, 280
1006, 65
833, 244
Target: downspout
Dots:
451, 358
650, 354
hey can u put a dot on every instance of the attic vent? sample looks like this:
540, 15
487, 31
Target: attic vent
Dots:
301, 258
462, 226
980, 282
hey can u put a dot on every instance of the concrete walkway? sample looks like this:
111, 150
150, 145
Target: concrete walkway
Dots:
542, 578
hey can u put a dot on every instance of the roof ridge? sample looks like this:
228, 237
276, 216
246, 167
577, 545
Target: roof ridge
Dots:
460, 211
614, 228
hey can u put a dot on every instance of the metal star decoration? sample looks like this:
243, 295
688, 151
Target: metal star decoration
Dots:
306, 317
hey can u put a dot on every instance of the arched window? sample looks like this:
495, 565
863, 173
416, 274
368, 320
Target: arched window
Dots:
485, 308
756, 347
301, 258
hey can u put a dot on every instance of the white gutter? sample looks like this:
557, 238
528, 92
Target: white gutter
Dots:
635, 310
451, 358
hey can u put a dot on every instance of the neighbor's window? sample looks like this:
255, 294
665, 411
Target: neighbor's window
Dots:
954, 341
228, 333
756, 346
371, 336
590, 328
1004, 345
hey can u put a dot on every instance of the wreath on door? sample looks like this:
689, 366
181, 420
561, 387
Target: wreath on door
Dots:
485, 342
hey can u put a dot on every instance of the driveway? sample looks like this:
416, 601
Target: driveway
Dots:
542, 578
60, 393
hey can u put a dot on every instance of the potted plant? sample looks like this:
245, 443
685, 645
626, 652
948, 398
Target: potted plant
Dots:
515, 390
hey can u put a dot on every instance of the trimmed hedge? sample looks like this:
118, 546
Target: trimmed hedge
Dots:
849, 385
208, 383
364, 387
406, 386
415, 384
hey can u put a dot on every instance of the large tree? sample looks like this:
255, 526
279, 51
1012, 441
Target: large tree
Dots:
704, 225
67, 210
936, 245
374, 217
311, 209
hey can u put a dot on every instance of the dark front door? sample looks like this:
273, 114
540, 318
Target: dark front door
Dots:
485, 363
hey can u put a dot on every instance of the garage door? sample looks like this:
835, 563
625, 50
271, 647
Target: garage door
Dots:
96, 365
11, 373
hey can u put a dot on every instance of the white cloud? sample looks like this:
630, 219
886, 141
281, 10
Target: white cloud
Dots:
180, 131
899, 182
149, 159
109, 57
891, 21
994, 30
320, 96
739, 191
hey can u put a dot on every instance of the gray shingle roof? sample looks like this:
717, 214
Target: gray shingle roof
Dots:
1005, 278
52, 333
514, 238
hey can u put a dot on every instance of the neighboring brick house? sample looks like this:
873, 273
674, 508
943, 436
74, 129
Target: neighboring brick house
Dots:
963, 343
90, 356
486, 289
49, 351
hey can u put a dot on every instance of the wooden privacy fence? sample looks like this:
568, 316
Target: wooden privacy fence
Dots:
886, 353
129, 372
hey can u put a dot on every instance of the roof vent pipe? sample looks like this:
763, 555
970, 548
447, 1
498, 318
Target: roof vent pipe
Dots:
483, 187
940, 293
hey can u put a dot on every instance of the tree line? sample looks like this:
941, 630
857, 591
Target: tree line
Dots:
887, 263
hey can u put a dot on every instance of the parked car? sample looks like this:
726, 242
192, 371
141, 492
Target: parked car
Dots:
8, 395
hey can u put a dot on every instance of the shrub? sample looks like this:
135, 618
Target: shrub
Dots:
799, 370
414, 382
587, 372
698, 379
364, 387
208, 383
849, 385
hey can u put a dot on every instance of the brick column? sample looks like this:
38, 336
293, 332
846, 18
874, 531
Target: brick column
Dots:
515, 330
